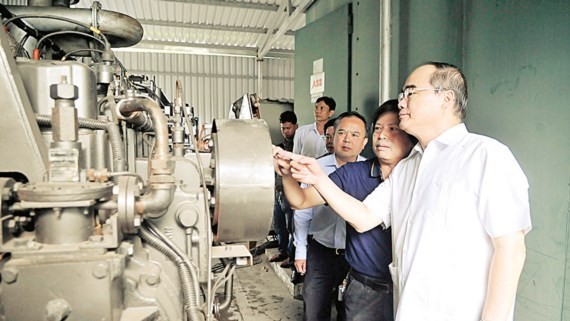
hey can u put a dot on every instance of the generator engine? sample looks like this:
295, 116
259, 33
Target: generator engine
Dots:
110, 207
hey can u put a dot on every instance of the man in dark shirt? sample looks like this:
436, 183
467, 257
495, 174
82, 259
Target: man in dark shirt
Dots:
368, 292
282, 212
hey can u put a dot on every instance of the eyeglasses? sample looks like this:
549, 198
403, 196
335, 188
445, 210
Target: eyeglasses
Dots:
412, 90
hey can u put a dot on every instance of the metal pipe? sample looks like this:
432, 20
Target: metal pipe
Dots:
155, 203
39, 3
385, 50
123, 30
260, 78
129, 106
227, 292
108, 205
161, 179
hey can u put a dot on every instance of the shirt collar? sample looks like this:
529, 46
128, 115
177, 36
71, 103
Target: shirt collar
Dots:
449, 137
375, 170
330, 160
314, 128
452, 135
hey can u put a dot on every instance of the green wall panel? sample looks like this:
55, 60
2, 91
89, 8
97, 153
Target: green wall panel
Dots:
326, 38
365, 57
365, 61
516, 59
428, 31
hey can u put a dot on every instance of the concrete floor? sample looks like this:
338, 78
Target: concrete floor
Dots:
263, 292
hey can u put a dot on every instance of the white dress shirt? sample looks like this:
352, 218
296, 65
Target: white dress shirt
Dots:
327, 227
308, 141
445, 204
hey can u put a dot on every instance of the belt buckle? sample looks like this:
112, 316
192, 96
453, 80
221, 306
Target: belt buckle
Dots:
337, 251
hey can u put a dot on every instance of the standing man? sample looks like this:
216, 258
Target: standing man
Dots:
310, 139
458, 207
282, 212
368, 294
320, 235
329, 135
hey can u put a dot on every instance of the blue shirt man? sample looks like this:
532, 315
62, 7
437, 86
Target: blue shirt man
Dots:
320, 233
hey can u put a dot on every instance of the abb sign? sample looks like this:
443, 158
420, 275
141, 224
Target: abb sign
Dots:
317, 83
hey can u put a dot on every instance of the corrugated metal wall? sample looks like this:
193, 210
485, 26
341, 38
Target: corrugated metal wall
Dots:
212, 83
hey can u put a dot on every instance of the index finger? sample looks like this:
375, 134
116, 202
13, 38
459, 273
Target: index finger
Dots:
288, 155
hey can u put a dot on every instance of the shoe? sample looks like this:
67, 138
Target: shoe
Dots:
278, 257
286, 264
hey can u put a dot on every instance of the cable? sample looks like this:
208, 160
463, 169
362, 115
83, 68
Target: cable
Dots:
21, 45
79, 23
20, 24
79, 50
96, 31
38, 45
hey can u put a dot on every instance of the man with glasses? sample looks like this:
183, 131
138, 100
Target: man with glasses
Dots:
458, 207
368, 286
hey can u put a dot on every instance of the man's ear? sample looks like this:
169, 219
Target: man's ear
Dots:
449, 97
364, 144
331, 113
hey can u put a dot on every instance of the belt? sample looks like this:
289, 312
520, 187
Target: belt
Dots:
336, 251
374, 283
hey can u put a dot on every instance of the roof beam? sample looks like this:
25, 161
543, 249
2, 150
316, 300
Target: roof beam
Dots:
284, 27
202, 49
231, 3
205, 26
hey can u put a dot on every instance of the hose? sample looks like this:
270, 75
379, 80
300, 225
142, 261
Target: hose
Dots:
45, 120
191, 301
119, 163
111, 128
176, 249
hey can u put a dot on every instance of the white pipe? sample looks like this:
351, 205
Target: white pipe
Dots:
385, 50
260, 79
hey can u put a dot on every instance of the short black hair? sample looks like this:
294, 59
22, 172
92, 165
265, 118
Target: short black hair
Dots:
329, 123
288, 117
387, 107
328, 101
351, 114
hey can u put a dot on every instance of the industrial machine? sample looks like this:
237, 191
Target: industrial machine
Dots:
109, 210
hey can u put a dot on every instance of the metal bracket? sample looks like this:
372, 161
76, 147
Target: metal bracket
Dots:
240, 252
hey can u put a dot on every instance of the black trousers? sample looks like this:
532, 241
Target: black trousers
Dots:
326, 269
367, 298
